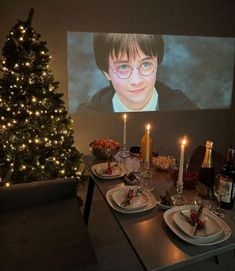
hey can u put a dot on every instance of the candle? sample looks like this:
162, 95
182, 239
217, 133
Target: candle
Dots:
124, 130
181, 165
147, 154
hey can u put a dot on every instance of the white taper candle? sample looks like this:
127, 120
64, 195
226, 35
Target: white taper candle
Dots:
181, 165
147, 154
124, 130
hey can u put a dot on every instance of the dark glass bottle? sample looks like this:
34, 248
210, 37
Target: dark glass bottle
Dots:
206, 175
227, 180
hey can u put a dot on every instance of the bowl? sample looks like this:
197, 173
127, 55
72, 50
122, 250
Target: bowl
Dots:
190, 178
99, 146
163, 162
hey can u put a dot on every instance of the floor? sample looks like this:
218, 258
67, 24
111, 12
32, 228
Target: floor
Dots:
114, 252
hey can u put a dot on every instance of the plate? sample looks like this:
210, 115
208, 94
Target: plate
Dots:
225, 229
117, 170
213, 229
150, 204
139, 201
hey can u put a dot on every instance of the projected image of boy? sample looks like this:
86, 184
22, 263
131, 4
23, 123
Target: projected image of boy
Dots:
130, 63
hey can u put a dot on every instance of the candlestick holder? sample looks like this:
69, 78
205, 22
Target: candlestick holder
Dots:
178, 199
147, 171
124, 153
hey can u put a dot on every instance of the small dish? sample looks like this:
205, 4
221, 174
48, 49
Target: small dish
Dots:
130, 178
163, 206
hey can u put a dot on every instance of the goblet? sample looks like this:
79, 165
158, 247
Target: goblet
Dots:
108, 151
219, 192
203, 197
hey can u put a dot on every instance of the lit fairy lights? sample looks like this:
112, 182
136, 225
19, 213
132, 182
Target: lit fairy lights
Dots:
32, 123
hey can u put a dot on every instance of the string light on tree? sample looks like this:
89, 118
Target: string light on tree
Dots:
22, 133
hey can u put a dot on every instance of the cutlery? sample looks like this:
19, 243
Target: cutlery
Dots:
204, 230
192, 223
189, 220
197, 220
131, 194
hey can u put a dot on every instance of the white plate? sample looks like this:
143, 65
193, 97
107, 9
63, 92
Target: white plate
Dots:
150, 204
226, 231
139, 201
117, 170
213, 229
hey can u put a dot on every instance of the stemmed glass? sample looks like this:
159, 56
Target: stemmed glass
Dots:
108, 151
219, 192
146, 177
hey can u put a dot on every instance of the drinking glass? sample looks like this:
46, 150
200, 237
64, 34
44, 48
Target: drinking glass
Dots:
219, 192
136, 163
146, 180
108, 151
204, 196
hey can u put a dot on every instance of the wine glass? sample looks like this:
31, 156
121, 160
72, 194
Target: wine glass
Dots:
219, 192
204, 196
108, 151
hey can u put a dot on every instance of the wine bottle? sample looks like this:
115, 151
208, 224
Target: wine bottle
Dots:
206, 175
227, 180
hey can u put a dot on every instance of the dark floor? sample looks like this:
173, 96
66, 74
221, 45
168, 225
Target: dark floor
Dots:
113, 251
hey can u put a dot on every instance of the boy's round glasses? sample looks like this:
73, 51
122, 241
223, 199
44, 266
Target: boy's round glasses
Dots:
124, 71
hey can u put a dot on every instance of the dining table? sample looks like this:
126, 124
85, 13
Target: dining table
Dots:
154, 243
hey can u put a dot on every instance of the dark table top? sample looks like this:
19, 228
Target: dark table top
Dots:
156, 246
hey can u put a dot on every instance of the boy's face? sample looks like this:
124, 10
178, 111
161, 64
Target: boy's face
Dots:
136, 90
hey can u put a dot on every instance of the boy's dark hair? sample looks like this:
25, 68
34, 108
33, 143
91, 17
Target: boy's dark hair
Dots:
105, 44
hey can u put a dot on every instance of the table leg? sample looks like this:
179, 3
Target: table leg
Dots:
88, 201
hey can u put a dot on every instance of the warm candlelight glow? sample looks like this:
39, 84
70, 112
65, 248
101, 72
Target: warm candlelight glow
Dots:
125, 116
184, 141
148, 127
7, 184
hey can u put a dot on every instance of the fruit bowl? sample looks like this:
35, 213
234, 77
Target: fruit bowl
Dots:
99, 147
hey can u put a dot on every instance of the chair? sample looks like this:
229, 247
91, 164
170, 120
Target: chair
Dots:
42, 228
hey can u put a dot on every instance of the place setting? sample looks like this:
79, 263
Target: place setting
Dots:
130, 199
197, 225
106, 149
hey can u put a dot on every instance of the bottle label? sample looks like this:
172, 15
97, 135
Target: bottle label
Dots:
226, 187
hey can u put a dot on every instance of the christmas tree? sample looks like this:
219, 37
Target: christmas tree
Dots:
36, 135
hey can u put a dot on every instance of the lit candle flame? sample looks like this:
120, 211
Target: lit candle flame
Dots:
184, 141
124, 116
148, 127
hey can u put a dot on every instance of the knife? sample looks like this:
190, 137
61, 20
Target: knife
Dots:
189, 220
